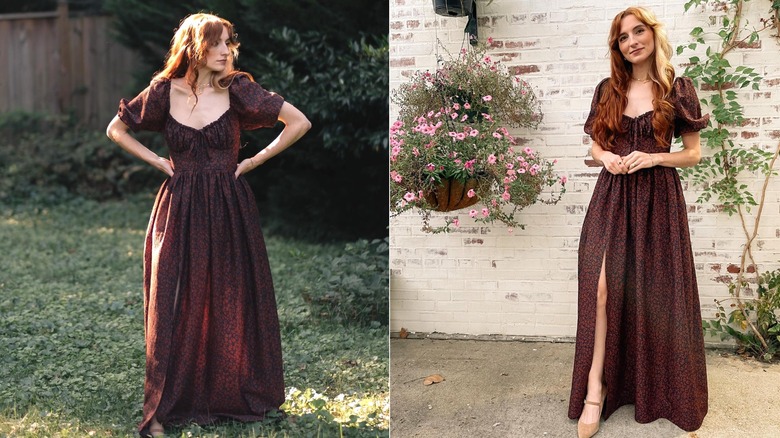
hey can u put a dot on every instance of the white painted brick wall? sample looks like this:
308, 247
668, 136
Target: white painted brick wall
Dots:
481, 280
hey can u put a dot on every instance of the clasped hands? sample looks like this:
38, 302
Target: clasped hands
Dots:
617, 165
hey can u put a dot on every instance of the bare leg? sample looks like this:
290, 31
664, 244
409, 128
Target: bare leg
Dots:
590, 413
155, 428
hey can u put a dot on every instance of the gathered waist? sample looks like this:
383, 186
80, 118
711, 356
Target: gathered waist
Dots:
198, 169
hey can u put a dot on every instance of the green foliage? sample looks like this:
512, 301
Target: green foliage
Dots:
764, 311
330, 60
48, 157
353, 286
71, 332
719, 174
753, 323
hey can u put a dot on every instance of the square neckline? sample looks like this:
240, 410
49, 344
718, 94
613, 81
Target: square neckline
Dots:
202, 128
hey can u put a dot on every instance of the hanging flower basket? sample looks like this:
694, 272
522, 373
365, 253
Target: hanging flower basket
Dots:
451, 149
453, 8
452, 194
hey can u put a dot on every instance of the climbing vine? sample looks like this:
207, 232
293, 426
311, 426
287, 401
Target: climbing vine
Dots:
725, 175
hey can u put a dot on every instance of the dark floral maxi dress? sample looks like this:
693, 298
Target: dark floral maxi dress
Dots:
213, 348
654, 346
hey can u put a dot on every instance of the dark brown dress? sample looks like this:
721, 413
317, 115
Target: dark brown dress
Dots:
213, 348
654, 345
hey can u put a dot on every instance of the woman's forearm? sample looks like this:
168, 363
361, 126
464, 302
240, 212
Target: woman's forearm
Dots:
682, 158
117, 131
296, 124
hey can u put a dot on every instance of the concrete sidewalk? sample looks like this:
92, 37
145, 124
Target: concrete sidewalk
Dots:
521, 389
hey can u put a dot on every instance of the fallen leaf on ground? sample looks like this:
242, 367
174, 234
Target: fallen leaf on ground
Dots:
403, 334
433, 378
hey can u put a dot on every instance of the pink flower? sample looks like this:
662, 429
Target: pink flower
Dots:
505, 196
487, 60
409, 196
492, 159
469, 164
490, 40
452, 134
415, 152
460, 136
521, 170
456, 106
421, 120
471, 193
510, 166
456, 222
430, 167
564, 179
496, 135
473, 213
396, 150
528, 151
487, 98
396, 176
510, 230
473, 133
454, 116
466, 105
464, 117
485, 212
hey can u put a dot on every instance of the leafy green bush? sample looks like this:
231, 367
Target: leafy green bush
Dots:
354, 285
50, 156
764, 314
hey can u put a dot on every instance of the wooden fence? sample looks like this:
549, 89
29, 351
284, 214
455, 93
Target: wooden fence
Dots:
55, 63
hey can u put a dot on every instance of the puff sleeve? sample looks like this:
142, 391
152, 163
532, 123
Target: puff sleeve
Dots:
687, 110
594, 107
149, 110
255, 107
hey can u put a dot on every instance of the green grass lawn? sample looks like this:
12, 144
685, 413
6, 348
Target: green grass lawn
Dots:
72, 345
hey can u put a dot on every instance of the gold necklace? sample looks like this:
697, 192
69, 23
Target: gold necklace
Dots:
202, 87
644, 81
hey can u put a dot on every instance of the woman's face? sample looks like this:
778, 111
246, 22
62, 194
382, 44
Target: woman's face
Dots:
636, 40
217, 55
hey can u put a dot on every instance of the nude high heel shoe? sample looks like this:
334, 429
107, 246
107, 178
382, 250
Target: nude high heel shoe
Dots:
587, 430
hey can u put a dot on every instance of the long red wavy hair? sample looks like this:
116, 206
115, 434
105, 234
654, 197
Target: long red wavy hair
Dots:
195, 35
613, 100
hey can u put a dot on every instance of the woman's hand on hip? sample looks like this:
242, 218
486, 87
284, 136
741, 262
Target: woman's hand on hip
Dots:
246, 165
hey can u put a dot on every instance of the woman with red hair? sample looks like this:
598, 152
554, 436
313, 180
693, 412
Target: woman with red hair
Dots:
639, 335
213, 348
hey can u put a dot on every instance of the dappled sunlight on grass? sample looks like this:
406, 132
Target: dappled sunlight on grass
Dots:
71, 333
349, 410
